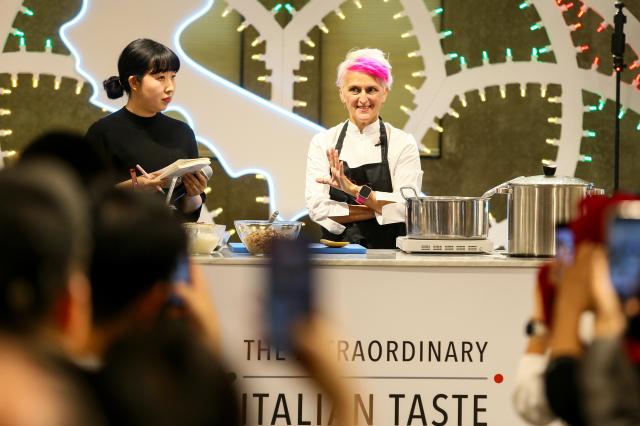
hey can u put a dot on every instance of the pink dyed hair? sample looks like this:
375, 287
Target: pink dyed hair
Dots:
369, 61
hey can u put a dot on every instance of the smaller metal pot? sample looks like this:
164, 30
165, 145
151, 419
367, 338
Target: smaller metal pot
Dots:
437, 218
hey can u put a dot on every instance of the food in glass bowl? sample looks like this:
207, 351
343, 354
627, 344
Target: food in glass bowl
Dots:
204, 238
257, 235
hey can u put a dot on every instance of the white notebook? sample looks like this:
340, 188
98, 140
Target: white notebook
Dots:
181, 167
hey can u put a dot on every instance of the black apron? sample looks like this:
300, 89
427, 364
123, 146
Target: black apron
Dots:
377, 176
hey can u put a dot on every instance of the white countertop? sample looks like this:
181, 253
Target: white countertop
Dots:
383, 258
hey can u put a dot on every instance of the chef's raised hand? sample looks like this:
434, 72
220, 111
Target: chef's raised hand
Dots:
337, 179
194, 183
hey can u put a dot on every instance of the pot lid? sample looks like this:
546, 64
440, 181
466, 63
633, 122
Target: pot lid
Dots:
549, 178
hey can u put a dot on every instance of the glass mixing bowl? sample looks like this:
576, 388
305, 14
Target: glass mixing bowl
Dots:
257, 235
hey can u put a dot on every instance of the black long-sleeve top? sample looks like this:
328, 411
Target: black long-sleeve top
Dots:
126, 139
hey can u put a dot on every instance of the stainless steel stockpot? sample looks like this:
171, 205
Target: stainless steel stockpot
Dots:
435, 218
536, 205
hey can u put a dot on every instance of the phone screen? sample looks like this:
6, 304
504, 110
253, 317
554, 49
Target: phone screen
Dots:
181, 275
624, 256
290, 291
565, 245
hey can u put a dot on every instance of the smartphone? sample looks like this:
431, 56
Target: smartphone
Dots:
290, 291
565, 244
623, 246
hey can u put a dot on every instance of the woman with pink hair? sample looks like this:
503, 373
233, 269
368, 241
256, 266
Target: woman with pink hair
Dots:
355, 170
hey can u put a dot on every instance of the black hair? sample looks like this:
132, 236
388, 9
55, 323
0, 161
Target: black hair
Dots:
70, 149
140, 57
137, 244
167, 376
43, 236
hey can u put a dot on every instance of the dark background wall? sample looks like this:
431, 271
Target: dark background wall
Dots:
491, 142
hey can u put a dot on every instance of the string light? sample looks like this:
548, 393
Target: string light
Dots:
79, 86
323, 28
262, 200
406, 35
566, 7
14, 80
547, 162
454, 113
232, 232
445, 34
451, 56
553, 142
405, 109
543, 90
309, 42
545, 49
276, 9
22, 44
290, 9
418, 74
243, 26
358, 4
410, 88
621, 113
217, 212
525, 4
399, 15
589, 134
509, 55
590, 108
576, 27
48, 45
463, 100
595, 63
25, 10
463, 63
554, 100
554, 120
503, 92
257, 57
35, 81
56, 83
583, 10
437, 11
307, 58
523, 90
4, 91
585, 158
5, 132
299, 104
438, 128
4, 111
602, 27
583, 48
17, 32
300, 78
256, 41
264, 78
483, 95
424, 149
634, 65
534, 54
485, 57
601, 103
638, 126
260, 177
340, 14
536, 26
226, 11
413, 54
207, 190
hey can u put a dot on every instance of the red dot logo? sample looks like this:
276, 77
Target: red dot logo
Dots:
498, 378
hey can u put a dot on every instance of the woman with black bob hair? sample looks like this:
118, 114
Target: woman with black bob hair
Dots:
139, 134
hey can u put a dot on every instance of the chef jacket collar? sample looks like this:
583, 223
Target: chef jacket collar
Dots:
370, 130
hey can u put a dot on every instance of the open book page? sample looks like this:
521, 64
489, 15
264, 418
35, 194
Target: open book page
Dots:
183, 166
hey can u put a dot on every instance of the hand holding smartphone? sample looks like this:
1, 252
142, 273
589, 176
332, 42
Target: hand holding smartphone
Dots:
290, 291
623, 247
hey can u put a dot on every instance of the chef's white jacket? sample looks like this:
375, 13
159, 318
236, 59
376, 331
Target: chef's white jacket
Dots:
360, 148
